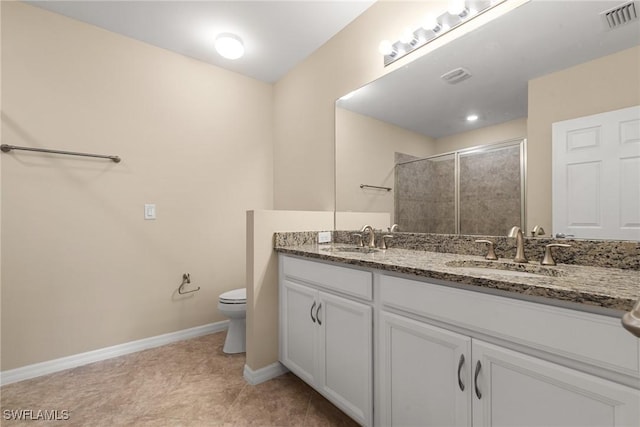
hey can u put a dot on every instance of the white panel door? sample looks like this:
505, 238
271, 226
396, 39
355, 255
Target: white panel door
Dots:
425, 374
596, 175
298, 330
346, 355
512, 389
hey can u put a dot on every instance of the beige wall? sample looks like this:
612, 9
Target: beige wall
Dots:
513, 129
365, 154
262, 277
262, 271
605, 84
356, 220
81, 269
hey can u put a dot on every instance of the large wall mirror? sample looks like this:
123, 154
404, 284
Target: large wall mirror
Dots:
543, 62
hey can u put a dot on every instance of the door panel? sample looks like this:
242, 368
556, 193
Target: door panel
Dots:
519, 390
346, 349
298, 341
596, 175
420, 385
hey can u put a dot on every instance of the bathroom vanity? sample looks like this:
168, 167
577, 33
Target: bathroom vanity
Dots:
405, 337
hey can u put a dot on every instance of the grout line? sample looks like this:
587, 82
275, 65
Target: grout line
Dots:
306, 413
228, 410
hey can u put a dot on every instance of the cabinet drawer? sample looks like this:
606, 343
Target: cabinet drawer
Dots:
348, 281
592, 339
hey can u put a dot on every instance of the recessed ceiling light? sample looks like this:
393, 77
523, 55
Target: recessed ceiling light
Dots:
229, 46
472, 117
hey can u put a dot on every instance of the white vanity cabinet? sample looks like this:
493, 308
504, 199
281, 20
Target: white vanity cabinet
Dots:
326, 332
430, 375
446, 355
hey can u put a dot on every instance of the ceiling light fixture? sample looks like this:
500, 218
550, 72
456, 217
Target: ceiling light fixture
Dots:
472, 117
229, 46
432, 27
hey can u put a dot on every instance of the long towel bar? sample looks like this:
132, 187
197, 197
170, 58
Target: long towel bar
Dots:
6, 148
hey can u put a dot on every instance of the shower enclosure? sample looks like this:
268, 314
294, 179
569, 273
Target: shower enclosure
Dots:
473, 191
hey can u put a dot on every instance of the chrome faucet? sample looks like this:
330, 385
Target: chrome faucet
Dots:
517, 233
371, 236
394, 228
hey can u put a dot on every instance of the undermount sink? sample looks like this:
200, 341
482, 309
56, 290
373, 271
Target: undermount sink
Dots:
351, 249
503, 268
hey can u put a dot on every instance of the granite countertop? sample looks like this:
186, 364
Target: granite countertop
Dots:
610, 288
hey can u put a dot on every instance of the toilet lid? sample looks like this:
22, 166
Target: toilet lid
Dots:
236, 296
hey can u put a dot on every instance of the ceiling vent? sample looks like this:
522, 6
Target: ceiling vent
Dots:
620, 15
456, 76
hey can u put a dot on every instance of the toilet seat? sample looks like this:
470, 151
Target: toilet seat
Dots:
235, 296
233, 304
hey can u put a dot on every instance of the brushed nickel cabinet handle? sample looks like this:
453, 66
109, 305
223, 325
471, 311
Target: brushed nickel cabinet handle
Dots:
311, 312
460, 363
318, 314
475, 379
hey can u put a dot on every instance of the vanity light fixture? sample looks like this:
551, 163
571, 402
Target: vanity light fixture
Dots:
457, 8
385, 47
432, 27
408, 37
229, 46
431, 23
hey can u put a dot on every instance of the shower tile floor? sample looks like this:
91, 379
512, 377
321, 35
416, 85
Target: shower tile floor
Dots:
187, 383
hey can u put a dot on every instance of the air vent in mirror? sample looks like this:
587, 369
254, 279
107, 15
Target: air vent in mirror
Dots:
623, 14
456, 76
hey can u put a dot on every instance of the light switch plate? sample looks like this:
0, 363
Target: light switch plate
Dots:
149, 211
324, 237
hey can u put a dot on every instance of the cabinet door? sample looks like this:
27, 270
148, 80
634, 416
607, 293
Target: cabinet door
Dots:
519, 390
298, 329
425, 374
346, 349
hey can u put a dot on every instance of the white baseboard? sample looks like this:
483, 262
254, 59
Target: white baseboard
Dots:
56, 365
264, 374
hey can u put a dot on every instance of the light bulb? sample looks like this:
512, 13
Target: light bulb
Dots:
430, 23
229, 46
385, 47
407, 36
456, 7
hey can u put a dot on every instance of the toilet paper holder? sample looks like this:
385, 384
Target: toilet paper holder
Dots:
186, 279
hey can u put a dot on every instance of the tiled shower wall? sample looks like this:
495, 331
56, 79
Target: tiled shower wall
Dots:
425, 195
490, 192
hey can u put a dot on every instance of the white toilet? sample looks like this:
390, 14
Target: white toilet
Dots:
233, 304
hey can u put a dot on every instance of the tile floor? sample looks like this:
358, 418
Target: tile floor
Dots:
188, 383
